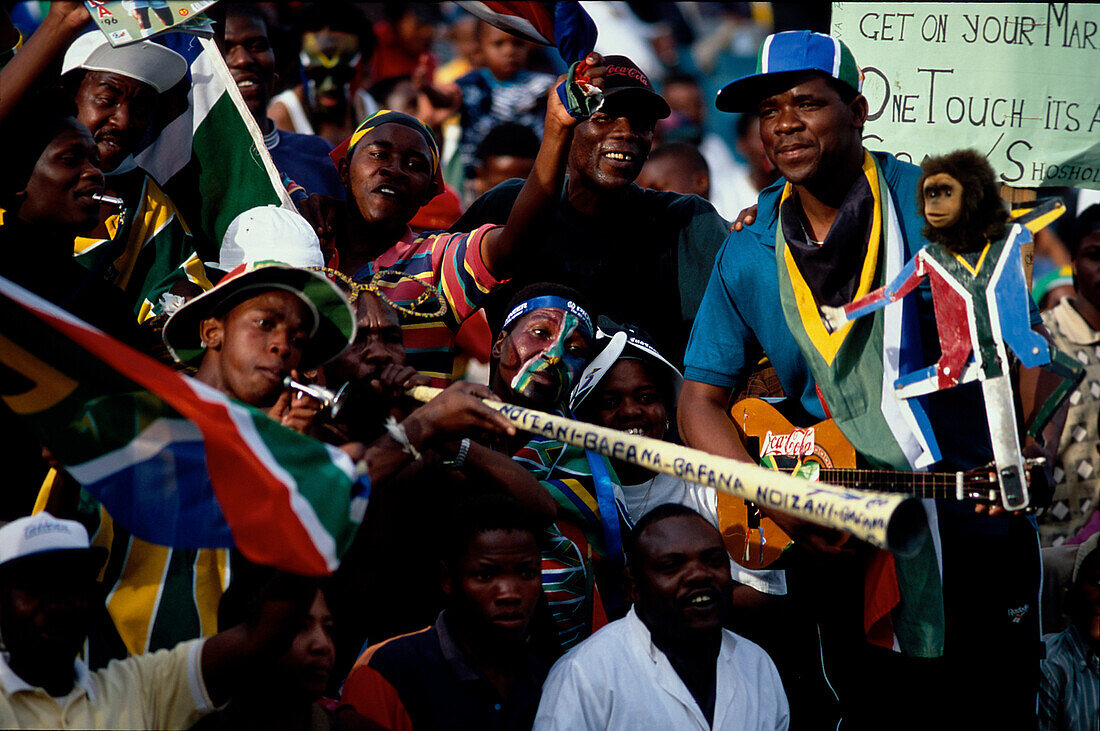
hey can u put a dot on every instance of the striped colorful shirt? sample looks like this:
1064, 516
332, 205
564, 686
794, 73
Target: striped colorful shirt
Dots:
451, 263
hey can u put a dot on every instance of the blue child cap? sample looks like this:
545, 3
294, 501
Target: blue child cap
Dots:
791, 52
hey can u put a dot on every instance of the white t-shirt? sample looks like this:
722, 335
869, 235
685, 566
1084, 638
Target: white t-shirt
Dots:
618, 679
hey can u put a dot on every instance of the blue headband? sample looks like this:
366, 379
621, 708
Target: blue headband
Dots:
555, 302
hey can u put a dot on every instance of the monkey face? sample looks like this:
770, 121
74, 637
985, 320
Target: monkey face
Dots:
943, 200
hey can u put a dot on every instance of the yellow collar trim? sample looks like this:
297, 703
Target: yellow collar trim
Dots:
829, 344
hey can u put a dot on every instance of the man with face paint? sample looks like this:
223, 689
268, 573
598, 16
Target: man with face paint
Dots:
332, 46
541, 349
542, 354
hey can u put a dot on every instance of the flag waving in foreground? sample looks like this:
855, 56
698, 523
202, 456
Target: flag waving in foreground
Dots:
172, 460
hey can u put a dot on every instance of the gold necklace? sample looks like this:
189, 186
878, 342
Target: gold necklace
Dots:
355, 288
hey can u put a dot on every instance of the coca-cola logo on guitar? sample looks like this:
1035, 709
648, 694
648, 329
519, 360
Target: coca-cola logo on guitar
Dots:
798, 443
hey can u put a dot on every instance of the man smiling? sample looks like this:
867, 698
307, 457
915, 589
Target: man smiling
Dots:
246, 48
669, 663
641, 256
842, 221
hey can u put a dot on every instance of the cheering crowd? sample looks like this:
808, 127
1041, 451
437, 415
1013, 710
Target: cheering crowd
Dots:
454, 215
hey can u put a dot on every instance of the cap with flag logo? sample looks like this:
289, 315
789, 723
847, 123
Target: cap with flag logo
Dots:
792, 52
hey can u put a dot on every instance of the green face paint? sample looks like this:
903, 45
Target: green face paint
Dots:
549, 371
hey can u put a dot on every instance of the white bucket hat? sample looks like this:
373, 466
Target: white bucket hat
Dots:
268, 233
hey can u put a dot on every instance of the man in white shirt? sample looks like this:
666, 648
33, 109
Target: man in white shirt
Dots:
669, 663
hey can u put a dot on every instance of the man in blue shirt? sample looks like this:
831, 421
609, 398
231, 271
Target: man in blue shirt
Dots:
840, 222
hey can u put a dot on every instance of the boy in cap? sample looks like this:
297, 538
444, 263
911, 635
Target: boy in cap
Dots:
263, 322
641, 256
839, 212
47, 591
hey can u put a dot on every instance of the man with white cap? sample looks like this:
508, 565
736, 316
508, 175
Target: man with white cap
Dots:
47, 592
145, 248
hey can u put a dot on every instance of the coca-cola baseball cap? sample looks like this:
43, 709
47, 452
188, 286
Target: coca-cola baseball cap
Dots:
624, 81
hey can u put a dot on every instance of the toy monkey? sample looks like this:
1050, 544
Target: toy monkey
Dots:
980, 298
959, 201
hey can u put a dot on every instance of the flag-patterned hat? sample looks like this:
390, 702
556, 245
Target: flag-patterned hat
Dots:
791, 52
333, 322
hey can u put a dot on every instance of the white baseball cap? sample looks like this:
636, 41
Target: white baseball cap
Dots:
268, 233
40, 534
151, 63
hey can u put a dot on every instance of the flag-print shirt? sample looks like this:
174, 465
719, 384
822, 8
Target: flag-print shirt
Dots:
452, 265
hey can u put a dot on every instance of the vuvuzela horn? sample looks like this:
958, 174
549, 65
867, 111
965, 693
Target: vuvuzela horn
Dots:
889, 521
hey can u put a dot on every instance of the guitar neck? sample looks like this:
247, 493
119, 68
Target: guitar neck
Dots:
767, 432
919, 484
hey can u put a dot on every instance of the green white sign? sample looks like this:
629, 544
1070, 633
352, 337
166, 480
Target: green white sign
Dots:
1016, 81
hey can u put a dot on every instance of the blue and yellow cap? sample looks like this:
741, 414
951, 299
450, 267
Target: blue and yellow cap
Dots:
791, 52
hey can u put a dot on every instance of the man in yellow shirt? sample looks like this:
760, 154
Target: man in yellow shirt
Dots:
47, 592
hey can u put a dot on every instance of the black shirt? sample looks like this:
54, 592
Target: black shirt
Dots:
644, 259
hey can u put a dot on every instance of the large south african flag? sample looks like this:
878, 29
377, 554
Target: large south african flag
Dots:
173, 461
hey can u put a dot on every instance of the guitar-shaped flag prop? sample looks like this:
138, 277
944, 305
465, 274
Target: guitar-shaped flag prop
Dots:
822, 452
892, 522
982, 314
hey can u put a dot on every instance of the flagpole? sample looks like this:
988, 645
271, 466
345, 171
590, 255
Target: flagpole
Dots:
890, 521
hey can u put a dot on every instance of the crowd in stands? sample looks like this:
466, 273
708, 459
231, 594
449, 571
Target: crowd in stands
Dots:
449, 220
